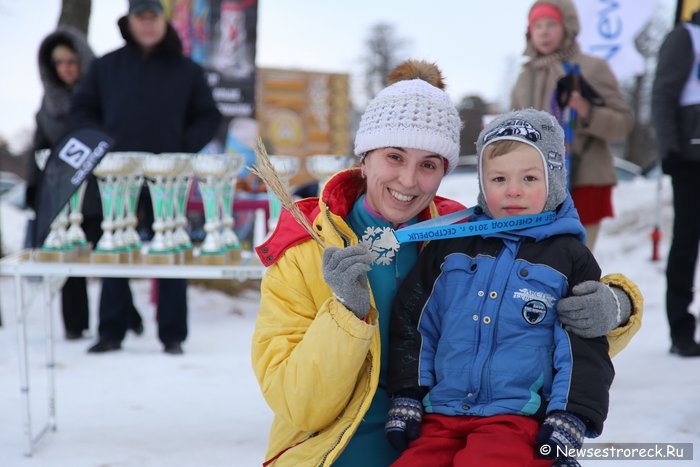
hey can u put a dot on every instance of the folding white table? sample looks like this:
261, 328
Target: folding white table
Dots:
54, 274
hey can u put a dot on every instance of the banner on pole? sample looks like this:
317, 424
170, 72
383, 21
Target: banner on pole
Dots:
220, 35
69, 164
608, 30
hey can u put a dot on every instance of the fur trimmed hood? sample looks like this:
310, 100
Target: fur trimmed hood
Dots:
57, 95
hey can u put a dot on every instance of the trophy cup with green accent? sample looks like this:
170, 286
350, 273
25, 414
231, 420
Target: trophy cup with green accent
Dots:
159, 171
56, 247
183, 182
210, 170
286, 167
134, 183
228, 192
110, 173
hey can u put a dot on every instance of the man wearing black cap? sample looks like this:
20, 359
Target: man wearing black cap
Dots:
149, 97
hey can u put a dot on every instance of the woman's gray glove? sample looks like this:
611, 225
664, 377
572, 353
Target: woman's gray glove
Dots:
594, 309
345, 270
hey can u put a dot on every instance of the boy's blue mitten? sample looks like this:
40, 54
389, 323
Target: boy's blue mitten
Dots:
345, 270
560, 432
403, 423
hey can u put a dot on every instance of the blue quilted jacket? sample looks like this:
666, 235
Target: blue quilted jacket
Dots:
475, 326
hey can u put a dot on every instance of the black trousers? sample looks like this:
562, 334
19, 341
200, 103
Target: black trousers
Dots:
117, 311
683, 255
74, 298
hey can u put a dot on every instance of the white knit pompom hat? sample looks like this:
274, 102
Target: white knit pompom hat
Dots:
411, 113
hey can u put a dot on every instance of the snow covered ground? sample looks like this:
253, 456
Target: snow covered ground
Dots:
142, 408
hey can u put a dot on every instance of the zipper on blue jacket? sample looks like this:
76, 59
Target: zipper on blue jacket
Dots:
497, 308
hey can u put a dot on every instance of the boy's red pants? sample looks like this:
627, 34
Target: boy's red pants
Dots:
498, 441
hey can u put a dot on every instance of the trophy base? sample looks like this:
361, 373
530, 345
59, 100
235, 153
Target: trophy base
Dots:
179, 257
136, 256
234, 256
106, 257
159, 258
188, 256
56, 256
84, 251
214, 259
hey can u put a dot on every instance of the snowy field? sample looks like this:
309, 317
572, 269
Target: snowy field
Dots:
142, 408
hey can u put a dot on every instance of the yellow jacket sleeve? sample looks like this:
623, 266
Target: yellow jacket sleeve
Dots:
307, 348
619, 337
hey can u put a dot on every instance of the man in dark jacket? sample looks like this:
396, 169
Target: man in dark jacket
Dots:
676, 114
149, 97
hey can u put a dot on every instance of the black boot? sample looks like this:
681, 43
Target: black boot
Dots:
173, 348
104, 345
135, 322
686, 349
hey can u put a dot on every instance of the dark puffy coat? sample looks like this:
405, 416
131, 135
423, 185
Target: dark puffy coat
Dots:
159, 102
675, 126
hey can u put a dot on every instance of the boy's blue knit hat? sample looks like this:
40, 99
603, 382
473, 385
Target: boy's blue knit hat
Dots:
539, 130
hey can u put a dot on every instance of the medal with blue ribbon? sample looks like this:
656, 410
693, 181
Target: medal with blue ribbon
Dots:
444, 226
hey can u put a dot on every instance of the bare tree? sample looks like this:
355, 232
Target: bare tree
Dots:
383, 54
76, 13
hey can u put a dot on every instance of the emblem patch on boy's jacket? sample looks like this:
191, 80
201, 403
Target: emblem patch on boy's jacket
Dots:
534, 311
382, 243
526, 294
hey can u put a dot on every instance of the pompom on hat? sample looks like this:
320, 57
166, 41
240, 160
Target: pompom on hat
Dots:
415, 112
539, 130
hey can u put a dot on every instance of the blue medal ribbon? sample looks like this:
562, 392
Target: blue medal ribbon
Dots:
443, 227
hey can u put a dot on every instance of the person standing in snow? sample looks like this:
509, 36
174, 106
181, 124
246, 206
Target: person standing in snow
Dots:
318, 349
64, 56
602, 115
149, 97
675, 102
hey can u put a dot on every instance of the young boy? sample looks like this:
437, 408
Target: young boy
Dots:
474, 332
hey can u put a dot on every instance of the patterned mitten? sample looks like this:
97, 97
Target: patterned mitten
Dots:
403, 423
560, 433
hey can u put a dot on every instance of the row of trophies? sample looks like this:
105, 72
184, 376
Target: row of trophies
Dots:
169, 176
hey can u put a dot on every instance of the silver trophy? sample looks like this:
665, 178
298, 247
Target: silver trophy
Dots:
228, 191
183, 183
210, 170
133, 185
286, 168
159, 172
57, 239
322, 166
110, 173
75, 234
56, 246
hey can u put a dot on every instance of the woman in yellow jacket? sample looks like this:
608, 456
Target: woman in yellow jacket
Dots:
324, 312
602, 114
